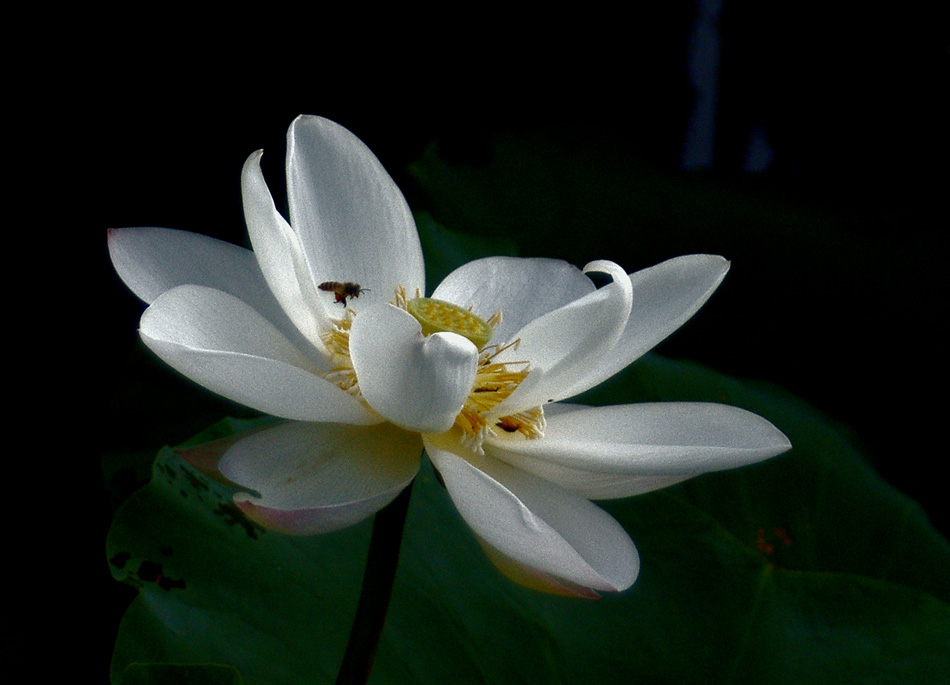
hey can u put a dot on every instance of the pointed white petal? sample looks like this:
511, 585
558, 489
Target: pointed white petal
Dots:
535, 523
152, 261
561, 345
665, 296
662, 439
316, 477
589, 484
352, 221
219, 342
522, 289
417, 382
281, 257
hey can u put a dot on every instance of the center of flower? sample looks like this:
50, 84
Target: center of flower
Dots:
438, 316
494, 381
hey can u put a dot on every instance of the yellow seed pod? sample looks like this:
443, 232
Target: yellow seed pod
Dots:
438, 316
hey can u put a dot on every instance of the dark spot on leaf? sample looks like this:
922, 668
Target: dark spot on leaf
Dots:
151, 572
168, 471
167, 583
233, 516
196, 481
119, 559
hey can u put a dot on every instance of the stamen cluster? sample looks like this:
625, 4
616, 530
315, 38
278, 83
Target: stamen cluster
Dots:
494, 382
338, 345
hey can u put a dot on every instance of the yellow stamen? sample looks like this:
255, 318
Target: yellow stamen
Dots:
337, 341
494, 382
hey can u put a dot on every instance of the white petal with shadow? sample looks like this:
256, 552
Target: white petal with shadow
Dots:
660, 439
522, 289
221, 343
281, 257
352, 221
311, 478
534, 523
664, 297
561, 345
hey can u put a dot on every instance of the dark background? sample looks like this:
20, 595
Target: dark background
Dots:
150, 128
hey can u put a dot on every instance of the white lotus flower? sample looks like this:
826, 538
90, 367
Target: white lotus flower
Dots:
370, 381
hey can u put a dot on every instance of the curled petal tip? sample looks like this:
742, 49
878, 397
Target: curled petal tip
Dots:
253, 158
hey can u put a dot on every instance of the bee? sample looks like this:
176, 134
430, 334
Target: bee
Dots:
342, 290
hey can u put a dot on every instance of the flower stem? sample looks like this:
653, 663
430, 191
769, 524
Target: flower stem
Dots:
377, 588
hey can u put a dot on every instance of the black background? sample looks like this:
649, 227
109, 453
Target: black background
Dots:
150, 123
